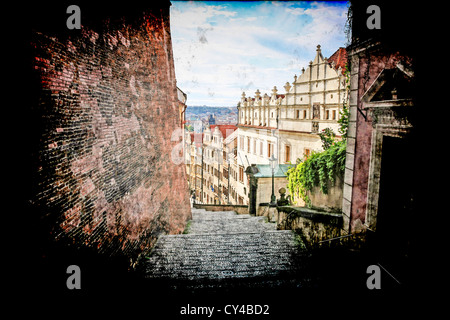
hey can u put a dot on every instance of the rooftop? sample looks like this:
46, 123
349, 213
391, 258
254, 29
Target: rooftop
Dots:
225, 129
339, 58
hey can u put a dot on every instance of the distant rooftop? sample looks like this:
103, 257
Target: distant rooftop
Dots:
225, 129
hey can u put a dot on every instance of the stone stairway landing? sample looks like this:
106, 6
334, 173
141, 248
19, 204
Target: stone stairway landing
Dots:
226, 222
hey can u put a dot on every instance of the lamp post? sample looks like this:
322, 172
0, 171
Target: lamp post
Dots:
273, 160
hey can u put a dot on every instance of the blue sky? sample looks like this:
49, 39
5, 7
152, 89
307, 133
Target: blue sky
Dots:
223, 48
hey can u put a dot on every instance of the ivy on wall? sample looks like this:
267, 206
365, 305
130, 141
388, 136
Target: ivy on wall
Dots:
317, 170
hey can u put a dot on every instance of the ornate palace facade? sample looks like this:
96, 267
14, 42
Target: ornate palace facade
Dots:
287, 125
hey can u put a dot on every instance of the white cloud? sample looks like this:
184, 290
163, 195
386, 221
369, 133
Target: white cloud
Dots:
220, 50
295, 11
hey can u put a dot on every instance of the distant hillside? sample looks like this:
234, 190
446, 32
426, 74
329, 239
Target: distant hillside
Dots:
222, 115
218, 110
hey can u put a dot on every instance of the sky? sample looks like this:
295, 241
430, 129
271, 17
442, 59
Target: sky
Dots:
222, 48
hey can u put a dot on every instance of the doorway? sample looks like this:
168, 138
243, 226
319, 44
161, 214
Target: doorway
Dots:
395, 216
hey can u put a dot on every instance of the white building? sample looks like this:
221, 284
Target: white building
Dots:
210, 159
287, 125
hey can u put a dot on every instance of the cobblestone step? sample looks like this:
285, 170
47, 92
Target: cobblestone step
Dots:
230, 225
224, 245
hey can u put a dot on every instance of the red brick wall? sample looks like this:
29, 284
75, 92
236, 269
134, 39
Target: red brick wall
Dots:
104, 110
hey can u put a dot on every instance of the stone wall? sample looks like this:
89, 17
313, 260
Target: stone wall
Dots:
104, 173
332, 201
264, 190
315, 226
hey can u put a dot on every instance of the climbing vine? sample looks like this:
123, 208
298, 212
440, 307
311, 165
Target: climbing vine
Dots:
317, 170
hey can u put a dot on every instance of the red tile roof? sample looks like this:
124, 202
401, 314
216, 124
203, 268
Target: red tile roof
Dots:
225, 129
339, 58
197, 138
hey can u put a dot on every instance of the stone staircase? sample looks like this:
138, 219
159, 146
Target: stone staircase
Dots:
224, 249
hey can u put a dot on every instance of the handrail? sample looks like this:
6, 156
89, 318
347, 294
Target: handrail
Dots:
336, 238
346, 236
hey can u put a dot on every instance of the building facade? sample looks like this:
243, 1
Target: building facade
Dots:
211, 164
288, 125
379, 188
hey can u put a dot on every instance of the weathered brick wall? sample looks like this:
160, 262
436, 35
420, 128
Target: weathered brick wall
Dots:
103, 113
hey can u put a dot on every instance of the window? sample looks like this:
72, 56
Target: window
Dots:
304, 114
307, 153
261, 148
241, 173
298, 114
254, 146
287, 155
241, 142
269, 149
334, 115
327, 115
248, 145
